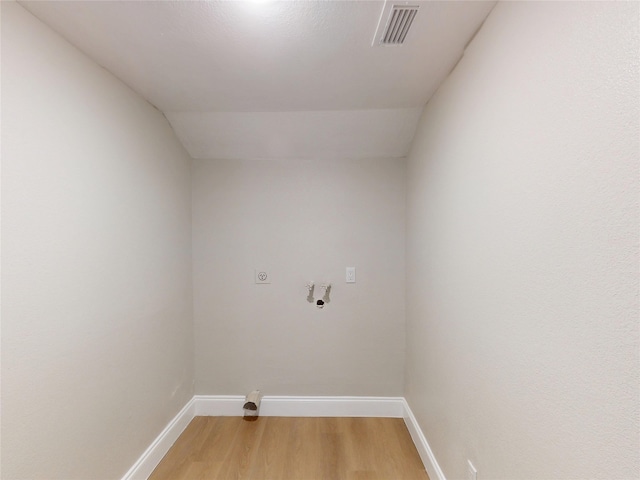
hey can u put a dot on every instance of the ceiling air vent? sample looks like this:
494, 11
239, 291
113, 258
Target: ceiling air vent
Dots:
394, 24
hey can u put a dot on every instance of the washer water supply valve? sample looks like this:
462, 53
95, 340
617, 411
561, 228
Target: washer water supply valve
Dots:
320, 303
310, 287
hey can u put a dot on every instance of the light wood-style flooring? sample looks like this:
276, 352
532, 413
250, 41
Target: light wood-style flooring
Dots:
287, 448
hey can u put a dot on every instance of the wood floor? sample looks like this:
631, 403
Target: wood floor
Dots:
286, 448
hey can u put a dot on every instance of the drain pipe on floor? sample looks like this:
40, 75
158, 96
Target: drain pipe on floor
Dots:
252, 406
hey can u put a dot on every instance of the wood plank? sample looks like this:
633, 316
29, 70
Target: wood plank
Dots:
282, 448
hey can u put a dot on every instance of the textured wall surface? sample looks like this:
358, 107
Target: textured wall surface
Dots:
97, 338
302, 220
522, 248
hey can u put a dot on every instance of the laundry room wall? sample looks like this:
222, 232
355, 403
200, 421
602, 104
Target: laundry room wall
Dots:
97, 337
301, 221
522, 248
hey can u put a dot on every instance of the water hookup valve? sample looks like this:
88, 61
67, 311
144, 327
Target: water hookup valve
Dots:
320, 303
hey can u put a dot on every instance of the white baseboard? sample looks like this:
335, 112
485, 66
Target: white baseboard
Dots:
420, 441
149, 460
218, 405
285, 406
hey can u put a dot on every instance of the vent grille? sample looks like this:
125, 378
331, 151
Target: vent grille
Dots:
400, 20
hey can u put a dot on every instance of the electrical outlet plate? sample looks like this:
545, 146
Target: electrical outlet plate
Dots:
262, 276
473, 473
351, 275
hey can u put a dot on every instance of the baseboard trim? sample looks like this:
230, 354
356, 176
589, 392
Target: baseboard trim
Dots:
218, 405
420, 441
285, 406
288, 406
149, 460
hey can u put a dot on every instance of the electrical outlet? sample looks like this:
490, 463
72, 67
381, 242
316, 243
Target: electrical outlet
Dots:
472, 472
262, 276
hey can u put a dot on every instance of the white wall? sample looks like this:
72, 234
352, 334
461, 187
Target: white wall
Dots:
303, 220
522, 248
97, 345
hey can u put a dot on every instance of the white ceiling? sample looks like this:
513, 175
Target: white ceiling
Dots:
265, 79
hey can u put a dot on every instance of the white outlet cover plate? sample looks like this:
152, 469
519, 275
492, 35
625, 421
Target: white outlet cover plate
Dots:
351, 275
262, 276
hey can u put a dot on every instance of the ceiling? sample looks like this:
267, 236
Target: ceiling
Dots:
273, 79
